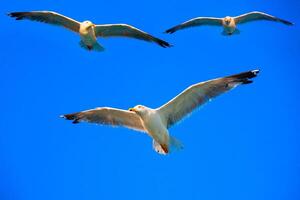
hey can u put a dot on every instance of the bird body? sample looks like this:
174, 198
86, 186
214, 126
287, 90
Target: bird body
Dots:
88, 36
156, 122
229, 23
87, 30
154, 126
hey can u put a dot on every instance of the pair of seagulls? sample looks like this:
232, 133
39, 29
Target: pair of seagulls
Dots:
89, 32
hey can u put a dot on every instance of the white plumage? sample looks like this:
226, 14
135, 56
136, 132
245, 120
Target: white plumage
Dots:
155, 122
87, 30
229, 23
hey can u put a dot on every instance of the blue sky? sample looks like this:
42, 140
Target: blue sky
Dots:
243, 145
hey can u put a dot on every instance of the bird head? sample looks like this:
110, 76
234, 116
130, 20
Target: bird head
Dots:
227, 20
88, 24
139, 109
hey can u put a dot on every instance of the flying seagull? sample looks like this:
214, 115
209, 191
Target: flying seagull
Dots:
156, 122
228, 23
87, 30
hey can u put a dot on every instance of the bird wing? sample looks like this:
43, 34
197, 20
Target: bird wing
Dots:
49, 18
196, 22
125, 30
252, 16
108, 116
196, 95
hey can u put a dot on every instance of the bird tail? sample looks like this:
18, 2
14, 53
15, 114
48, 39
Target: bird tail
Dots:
96, 46
236, 32
175, 144
159, 148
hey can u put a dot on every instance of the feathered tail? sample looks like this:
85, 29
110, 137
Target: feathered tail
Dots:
174, 145
96, 46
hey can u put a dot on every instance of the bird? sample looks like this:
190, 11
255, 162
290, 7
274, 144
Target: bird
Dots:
87, 30
156, 122
229, 23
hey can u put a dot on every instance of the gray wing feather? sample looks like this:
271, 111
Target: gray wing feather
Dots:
253, 16
108, 116
125, 30
196, 95
48, 17
196, 22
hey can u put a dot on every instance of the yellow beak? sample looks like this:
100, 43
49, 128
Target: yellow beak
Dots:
131, 109
91, 25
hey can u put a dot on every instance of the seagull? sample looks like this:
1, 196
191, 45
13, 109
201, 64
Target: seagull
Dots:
156, 122
229, 23
87, 30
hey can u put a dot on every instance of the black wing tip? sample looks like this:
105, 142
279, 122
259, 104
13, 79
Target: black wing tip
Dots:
287, 22
72, 116
164, 44
245, 77
254, 72
16, 15
249, 75
170, 31
173, 29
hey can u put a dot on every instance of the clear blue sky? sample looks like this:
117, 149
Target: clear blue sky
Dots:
243, 145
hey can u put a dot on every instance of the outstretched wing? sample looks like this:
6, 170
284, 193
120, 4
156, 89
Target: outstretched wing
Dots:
108, 116
196, 22
252, 16
49, 18
198, 94
125, 30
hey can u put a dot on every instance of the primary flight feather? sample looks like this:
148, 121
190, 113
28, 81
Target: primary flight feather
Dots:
87, 30
156, 122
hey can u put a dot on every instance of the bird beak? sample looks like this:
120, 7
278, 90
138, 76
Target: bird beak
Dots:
91, 25
131, 109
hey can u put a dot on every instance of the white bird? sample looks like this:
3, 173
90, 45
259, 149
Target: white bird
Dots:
87, 30
156, 122
229, 23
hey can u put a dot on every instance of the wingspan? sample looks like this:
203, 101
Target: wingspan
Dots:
108, 116
48, 17
252, 16
196, 95
125, 30
196, 22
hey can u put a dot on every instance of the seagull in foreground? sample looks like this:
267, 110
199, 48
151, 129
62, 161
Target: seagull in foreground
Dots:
156, 122
87, 30
228, 23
